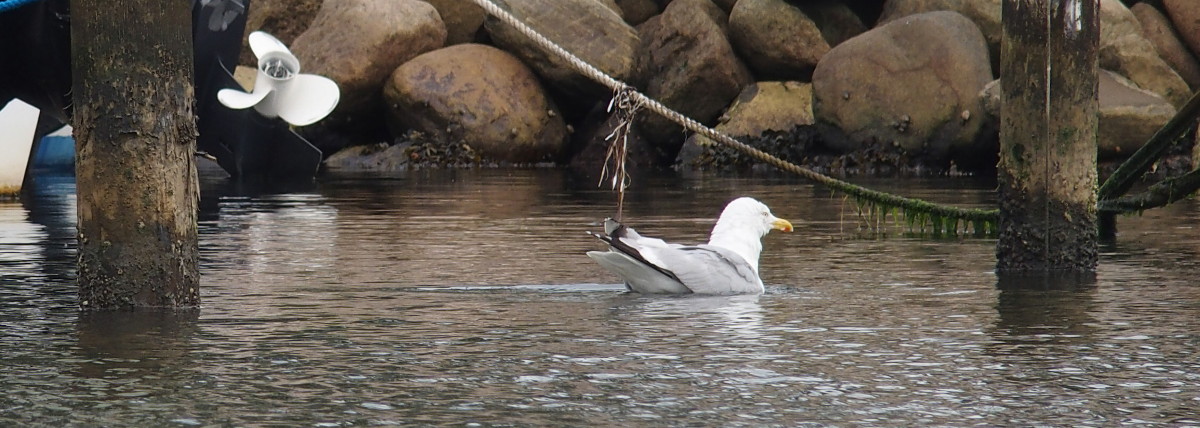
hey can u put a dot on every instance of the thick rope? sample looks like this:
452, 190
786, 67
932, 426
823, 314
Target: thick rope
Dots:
908, 205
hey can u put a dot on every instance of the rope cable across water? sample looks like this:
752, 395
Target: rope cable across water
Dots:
937, 214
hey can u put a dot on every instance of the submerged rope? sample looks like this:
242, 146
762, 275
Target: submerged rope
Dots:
936, 214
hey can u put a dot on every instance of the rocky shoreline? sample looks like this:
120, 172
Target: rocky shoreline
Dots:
847, 87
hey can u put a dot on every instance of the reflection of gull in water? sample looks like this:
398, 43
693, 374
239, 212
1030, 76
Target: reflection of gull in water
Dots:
739, 316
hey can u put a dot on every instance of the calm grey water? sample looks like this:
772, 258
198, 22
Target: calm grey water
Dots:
464, 298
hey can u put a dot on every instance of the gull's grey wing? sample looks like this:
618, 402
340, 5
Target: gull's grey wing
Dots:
706, 269
638, 275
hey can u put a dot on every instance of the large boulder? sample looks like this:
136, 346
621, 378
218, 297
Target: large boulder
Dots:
479, 96
1157, 28
763, 107
691, 67
1129, 116
912, 83
984, 13
463, 19
613, 6
1124, 50
587, 28
1185, 14
777, 39
284, 19
358, 43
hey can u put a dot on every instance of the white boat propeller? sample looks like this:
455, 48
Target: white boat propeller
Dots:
279, 88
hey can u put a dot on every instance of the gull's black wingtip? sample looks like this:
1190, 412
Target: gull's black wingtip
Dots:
604, 238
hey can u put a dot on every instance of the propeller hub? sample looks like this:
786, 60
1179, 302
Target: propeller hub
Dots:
279, 66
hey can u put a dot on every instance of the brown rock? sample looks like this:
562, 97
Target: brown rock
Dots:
638, 11
245, 77
762, 108
765, 106
613, 6
374, 158
358, 43
776, 39
480, 96
984, 13
1129, 116
284, 19
586, 28
1186, 16
913, 82
725, 5
989, 98
692, 69
837, 21
593, 139
463, 19
1124, 50
1157, 28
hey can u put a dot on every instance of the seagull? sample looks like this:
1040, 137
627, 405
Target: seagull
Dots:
728, 264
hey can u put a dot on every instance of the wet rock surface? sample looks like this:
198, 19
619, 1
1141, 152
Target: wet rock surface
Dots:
591, 30
479, 96
912, 83
777, 39
693, 67
1124, 50
893, 89
1157, 28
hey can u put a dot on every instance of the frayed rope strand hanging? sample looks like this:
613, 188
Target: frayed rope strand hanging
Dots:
625, 107
907, 205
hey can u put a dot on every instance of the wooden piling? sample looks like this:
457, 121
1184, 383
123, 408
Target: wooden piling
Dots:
1047, 169
135, 134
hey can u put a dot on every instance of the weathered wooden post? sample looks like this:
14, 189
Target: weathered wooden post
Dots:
135, 135
1047, 170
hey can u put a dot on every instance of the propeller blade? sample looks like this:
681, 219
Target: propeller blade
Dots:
307, 99
262, 43
238, 100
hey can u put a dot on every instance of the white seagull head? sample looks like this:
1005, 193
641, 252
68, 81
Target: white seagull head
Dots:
742, 225
748, 214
